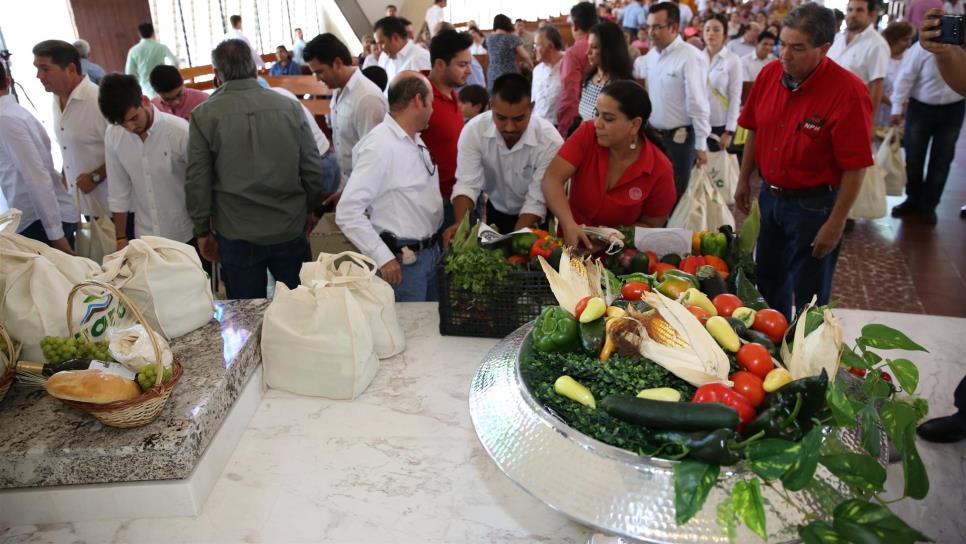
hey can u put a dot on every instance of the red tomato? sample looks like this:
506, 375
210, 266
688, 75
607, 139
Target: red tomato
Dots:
772, 323
633, 290
750, 386
860, 372
581, 306
726, 304
699, 313
755, 358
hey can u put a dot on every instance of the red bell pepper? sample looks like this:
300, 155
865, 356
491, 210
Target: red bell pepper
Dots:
716, 392
691, 264
543, 248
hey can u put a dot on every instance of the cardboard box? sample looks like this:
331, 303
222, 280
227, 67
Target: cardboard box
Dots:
326, 237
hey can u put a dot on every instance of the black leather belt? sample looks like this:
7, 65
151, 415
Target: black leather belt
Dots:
396, 246
671, 131
788, 194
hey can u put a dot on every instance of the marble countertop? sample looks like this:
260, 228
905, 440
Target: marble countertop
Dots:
47, 443
402, 463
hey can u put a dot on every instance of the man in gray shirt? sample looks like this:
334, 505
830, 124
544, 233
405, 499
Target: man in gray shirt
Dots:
254, 177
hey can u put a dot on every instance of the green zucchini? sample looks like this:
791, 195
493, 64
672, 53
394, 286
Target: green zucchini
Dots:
685, 416
738, 325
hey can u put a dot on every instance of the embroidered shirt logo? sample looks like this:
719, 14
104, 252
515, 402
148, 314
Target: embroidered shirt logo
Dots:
814, 123
635, 193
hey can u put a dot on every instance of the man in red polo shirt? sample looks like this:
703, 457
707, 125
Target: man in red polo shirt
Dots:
449, 51
808, 136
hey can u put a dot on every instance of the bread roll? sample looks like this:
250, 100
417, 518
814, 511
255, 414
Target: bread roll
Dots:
92, 386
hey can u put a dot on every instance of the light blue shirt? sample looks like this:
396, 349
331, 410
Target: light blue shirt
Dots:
92, 70
143, 57
634, 16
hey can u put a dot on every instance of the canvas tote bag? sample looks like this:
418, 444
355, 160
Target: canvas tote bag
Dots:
316, 341
701, 207
889, 158
358, 273
35, 280
723, 169
165, 279
871, 202
97, 238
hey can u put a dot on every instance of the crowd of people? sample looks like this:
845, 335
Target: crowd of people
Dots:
604, 131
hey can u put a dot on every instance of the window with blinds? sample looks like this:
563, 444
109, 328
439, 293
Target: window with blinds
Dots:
192, 28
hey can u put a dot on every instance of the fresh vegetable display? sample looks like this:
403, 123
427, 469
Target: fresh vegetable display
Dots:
654, 363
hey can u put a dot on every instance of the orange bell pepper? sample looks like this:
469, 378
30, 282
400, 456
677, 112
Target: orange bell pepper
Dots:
718, 263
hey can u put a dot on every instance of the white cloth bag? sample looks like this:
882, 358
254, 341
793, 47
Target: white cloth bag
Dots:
358, 273
316, 341
165, 279
889, 158
871, 202
97, 238
35, 280
701, 206
723, 169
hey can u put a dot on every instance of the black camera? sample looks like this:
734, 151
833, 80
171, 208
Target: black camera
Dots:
952, 29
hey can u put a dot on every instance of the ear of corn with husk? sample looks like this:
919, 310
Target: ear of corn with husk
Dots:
672, 337
820, 349
577, 278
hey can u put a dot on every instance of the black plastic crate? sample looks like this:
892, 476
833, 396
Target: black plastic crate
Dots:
517, 299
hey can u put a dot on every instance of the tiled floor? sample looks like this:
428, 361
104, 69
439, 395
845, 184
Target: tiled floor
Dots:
905, 266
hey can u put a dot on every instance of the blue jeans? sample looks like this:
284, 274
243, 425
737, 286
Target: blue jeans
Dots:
419, 279
331, 174
35, 231
682, 158
244, 265
787, 273
940, 124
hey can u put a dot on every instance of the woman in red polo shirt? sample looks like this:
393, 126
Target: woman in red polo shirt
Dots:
618, 170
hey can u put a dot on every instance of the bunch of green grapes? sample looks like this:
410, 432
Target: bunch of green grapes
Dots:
58, 349
149, 373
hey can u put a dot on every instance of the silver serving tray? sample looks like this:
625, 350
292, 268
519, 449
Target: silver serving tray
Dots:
607, 488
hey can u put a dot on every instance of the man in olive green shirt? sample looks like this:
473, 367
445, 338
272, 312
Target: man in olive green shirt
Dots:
254, 177
145, 56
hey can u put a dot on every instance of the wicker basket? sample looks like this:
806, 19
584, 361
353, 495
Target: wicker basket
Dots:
10, 364
144, 408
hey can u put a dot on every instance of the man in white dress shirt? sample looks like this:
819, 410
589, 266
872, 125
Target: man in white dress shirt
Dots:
546, 75
861, 50
147, 156
934, 117
745, 44
298, 46
235, 33
757, 59
390, 33
390, 208
28, 179
78, 125
435, 15
504, 152
358, 105
673, 70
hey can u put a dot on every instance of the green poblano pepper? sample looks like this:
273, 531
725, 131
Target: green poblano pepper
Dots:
720, 447
555, 330
683, 275
714, 243
748, 293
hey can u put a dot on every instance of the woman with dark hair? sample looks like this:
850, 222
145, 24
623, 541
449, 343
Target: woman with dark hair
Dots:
619, 173
608, 61
505, 50
725, 78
